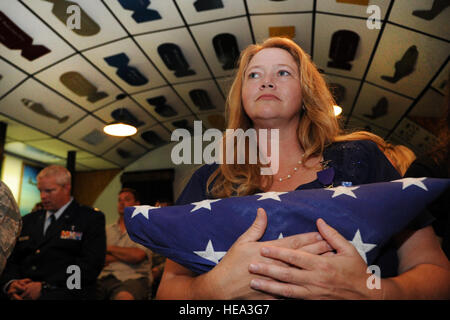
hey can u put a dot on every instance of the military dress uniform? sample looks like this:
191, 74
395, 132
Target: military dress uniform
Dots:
76, 238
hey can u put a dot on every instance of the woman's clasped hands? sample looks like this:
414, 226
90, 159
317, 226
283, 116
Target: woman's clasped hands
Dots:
337, 273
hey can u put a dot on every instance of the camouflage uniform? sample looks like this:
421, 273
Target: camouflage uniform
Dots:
10, 224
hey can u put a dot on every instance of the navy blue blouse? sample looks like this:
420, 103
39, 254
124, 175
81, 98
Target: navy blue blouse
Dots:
358, 162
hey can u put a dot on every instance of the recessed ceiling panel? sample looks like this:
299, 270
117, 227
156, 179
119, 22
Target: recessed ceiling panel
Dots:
79, 81
175, 55
343, 45
300, 24
145, 16
270, 6
412, 64
36, 105
221, 43
383, 111
29, 43
196, 11
123, 62
96, 24
163, 103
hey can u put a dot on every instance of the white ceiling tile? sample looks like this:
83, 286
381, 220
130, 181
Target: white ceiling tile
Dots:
43, 109
422, 57
157, 130
350, 90
136, 59
88, 134
383, 111
142, 117
125, 152
18, 131
189, 90
157, 15
269, 6
194, 10
97, 163
302, 22
162, 100
93, 89
10, 77
441, 82
431, 104
326, 28
205, 34
93, 13
352, 9
196, 68
417, 14
39, 32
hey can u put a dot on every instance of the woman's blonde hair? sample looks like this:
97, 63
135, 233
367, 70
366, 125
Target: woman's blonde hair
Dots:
317, 127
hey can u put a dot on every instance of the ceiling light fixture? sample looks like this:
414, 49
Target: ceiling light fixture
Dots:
120, 129
337, 110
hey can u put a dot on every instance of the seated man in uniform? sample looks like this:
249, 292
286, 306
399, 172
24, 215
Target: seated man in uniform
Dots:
127, 272
61, 249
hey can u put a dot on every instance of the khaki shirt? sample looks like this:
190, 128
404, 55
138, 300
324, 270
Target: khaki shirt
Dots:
122, 270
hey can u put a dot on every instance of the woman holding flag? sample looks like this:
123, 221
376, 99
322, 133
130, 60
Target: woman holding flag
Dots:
277, 86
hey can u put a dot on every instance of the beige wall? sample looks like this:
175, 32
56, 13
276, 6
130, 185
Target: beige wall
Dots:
157, 159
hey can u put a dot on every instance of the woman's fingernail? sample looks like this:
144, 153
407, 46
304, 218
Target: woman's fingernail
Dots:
319, 237
265, 250
255, 284
253, 267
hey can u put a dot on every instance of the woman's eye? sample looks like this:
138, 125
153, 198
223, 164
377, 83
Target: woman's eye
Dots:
284, 73
253, 75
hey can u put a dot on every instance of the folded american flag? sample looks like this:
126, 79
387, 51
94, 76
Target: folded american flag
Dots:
198, 235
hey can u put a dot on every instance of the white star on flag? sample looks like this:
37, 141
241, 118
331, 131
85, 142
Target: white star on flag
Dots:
343, 190
280, 236
270, 195
360, 246
203, 204
142, 210
412, 182
210, 254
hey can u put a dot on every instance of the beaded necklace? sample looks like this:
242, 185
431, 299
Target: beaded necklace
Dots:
299, 162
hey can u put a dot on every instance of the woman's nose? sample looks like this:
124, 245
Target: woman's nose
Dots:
267, 84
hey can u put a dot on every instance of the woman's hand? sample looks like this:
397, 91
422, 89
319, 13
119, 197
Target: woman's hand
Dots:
310, 276
231, 277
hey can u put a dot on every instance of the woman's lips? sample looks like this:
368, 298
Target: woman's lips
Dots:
267, 97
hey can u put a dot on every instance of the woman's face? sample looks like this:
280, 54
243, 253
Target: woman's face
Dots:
271, 88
